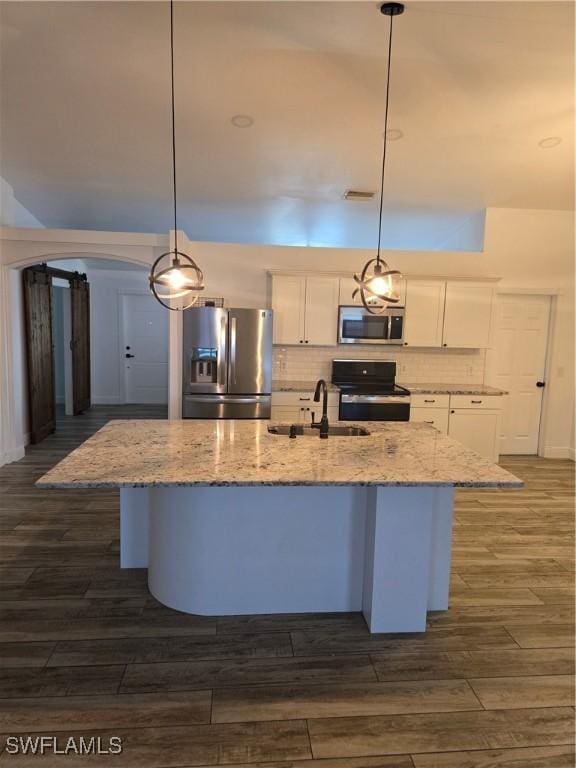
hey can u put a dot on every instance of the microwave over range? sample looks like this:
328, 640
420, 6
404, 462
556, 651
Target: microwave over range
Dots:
358, 326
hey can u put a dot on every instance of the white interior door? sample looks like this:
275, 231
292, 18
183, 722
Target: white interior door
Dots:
517, 363
144, 349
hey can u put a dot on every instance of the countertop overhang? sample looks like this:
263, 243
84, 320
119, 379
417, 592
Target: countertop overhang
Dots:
146, 453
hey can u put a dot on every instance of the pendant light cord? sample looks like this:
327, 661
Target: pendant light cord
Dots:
385, 140
173, 127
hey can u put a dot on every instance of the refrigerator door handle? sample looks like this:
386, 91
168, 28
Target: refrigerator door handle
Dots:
222, 352
232, 363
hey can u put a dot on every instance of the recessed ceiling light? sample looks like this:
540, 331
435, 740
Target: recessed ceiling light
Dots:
393, 134
550, 142
242, 121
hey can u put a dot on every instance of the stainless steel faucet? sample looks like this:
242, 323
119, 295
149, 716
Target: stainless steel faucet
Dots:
322, 425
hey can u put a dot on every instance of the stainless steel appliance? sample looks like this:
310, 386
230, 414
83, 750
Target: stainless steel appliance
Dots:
368, 391
227, 363
357, 326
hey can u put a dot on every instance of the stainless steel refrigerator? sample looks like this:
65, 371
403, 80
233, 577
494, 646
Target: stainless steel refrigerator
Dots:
227, 363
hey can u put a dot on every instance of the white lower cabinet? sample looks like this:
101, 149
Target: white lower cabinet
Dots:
299, 407
478, 429
473, 420
437, 417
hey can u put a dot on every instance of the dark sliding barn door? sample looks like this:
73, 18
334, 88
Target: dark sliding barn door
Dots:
80, 310
39, 352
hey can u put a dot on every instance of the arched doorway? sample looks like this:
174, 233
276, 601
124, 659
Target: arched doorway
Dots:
119, 303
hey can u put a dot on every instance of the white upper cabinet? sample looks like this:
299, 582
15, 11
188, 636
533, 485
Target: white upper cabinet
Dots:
289, 305
348, 285
321, 316
305, 309
453, 313
424, 313
467, 314
439, 313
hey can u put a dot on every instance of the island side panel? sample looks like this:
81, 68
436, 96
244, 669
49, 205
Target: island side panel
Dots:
134, 524
254, 550
441, 550
398, 558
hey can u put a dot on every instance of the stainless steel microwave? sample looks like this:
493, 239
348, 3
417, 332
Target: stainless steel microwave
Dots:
357, 326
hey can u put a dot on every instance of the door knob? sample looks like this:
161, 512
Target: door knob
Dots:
540, 383
128, 355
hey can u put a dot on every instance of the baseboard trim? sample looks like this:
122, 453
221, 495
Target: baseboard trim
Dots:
7, 457
556, 452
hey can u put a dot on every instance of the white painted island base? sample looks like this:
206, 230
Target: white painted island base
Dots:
236, 550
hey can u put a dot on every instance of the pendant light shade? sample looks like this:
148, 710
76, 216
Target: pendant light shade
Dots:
175, 278
378, 285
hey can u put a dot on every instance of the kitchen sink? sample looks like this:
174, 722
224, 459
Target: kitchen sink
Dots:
300, 430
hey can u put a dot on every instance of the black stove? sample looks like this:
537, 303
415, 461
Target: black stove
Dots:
368, 391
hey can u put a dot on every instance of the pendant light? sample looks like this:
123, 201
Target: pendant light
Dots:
174, 274
378, 285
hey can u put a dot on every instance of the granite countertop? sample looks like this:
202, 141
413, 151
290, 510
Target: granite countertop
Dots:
415, 389
243, 453
451, 389
300, 386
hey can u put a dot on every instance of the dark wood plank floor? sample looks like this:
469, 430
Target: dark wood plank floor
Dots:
85, 650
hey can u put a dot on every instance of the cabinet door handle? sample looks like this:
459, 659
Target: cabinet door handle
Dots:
429, 422
444, 345
304, 399
476, 402
306, 342
429, 401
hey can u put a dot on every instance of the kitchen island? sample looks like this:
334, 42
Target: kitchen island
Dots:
231, 519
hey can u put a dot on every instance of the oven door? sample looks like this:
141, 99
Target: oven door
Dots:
357, 326
374, 408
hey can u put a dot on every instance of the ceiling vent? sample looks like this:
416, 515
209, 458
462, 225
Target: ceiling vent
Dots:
358, 194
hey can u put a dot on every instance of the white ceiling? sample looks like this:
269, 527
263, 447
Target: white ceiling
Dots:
85, 138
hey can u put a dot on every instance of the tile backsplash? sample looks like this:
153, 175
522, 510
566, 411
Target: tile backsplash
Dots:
442, 366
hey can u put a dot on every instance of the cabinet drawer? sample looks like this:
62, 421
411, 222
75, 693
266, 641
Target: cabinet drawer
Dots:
292, 398
430, 401
481, 402
436, 417
302, 398
302, 414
